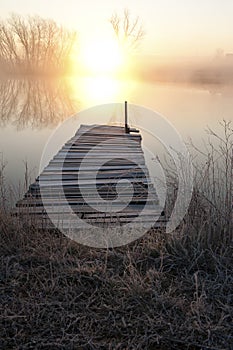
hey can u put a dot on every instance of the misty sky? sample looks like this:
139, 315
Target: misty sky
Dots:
173, 27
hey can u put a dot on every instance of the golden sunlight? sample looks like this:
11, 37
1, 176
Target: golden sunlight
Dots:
101, 88
95, 90
101, 57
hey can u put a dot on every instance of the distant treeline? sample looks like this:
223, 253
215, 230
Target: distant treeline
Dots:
34, 45
199, 72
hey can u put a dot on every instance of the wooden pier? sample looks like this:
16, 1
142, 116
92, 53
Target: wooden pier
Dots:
99, 159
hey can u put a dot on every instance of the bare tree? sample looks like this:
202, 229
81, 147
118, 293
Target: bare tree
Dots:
128, 30
35, 45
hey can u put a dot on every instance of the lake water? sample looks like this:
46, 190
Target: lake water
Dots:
30, 111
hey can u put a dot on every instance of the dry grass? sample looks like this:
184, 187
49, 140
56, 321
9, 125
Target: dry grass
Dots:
157, 293
160, 292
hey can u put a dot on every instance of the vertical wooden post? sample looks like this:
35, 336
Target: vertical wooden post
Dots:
126, 119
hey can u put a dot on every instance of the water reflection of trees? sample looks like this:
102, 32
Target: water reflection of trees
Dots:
35, 103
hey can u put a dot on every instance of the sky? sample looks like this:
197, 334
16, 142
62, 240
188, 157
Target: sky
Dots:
194, 28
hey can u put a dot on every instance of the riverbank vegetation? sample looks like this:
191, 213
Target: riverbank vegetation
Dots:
163, 291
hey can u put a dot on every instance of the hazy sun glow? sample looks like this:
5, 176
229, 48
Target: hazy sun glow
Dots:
101, 88
101, 57
96, 90
101, 65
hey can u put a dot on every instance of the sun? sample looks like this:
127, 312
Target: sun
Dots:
101, 56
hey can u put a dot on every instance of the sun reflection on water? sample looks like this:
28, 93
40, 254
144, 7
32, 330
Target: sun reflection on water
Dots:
95, 90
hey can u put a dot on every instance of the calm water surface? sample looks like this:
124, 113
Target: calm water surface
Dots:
30, 111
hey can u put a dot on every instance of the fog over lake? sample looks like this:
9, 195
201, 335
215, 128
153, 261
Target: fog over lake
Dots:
31, 109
